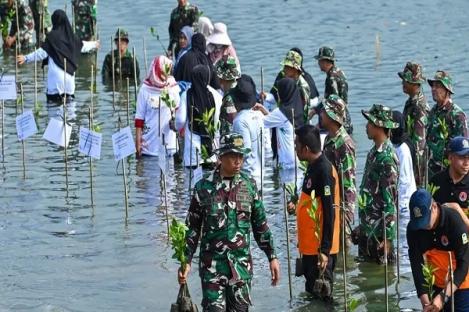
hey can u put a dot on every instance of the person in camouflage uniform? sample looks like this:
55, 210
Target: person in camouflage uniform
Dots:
339, 148
84, 14
124, 68
26, 23
185, 14
336, 82
224, 208
42, 21
415, 116
445, 121
227, 71
378, 190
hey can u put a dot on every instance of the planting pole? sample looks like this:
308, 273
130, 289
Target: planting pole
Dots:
288, 241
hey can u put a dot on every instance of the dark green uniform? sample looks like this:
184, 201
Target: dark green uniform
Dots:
85, 18
180, 17
127, 64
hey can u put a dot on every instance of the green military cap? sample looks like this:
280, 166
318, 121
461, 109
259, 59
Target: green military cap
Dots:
232, 143
227, 69
325, 53
412, 73
445, 80
293, 59
122, 34
380, 116
334, 107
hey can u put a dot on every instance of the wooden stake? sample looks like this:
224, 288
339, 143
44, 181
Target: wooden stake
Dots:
35, 82
385, 248
120, 55
18, 38
3, 131
113, 76
135, 73
128, 102
344, 245
451, 276
91, 128
165, 191
287, 233
23, 143
145, 54
262, 84
190, 149
261, 141
126, 196
65, 124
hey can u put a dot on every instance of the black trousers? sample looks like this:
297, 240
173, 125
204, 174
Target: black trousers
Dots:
312, 271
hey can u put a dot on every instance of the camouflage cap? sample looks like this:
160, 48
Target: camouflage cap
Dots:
445, 80
325, 53
334, 107
294, 60
412, 73
121, 33
232, 143
380, 116
227, 69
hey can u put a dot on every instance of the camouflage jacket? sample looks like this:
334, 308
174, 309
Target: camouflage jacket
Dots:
340, 150
444, 123
303, 87
416, 119
378, 192
223, 213
26, 23
85, 18
127, 64
41, 16
179, 18
336, 83
227, 113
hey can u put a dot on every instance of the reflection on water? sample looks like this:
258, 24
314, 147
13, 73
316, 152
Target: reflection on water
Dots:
59, 253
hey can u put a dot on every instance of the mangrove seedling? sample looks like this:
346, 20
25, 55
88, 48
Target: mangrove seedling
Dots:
429, 278
177, 235
432, 188
155, 34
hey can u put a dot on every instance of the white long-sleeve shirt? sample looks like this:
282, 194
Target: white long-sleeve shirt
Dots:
406, 183
55, 74
193, 158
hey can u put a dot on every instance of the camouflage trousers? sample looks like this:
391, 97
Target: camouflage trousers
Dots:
220, 294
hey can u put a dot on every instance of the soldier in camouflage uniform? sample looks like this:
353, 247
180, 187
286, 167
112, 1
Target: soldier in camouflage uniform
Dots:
336, 82
378, 190
224, 208
227, 71
85, 18
126, 62
445, 121
42, 21
339, 148
26, 23
415, 116
185, 14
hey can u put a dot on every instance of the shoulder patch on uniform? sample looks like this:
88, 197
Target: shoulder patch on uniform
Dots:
464, 238
327, 190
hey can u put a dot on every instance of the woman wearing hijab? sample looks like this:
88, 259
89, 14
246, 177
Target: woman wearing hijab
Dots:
405, 152
204, 26
195, 56
288, 113
184, 43
197, 102
60, 51
157, 102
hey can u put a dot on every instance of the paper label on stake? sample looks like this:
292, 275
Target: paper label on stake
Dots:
55, 132
163, 161
90, 143
123, 143
25, 125
8, 87
197, 175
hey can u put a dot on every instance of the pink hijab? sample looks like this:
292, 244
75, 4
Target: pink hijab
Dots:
159, 78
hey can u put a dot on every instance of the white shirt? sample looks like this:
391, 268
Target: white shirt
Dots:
406, 183
285, 138
55, 74
148, 110
192, 156
250, 125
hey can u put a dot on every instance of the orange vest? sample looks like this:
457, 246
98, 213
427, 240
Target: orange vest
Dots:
440, 259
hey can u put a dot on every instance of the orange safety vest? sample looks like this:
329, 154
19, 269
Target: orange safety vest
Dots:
440, 259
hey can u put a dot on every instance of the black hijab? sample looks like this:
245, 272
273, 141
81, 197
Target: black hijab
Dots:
195, 56
244, 93
200, 98
399, 135
62, 43
290, 101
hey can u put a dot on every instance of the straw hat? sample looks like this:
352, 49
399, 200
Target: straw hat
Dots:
219, 35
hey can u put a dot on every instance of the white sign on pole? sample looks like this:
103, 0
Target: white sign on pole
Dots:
8, 87
25, 125
123, 143
163, 161
197, 174
55, 132
90, 143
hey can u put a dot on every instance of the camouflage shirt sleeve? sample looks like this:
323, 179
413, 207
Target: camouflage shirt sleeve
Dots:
388, 187
420, 129
349, 168
460, 125
194, 222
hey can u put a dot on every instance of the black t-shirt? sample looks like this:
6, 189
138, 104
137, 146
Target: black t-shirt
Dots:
449, 192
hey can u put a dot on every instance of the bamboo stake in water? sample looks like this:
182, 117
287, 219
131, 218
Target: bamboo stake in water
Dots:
165, 191
135, 73
128, 102
18, 39
126, 196
451, 276
262, 163
190, 149
3, 131
113, 76
91, 128
287, 233
385, 248
294, 151
145, 54
35, 82
397, 251
72, 7
262, 84
65, 123
344, 252
120, 55
23, 143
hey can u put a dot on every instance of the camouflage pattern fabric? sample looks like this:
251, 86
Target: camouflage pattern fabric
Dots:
340, 150
127, 64
444, 123
325, 53
412, 73
227, 113
380, 116
85, 18
444, 78
41, 15
416, 119
336, 83
223, 212
180, 17
378, 194
26, 24
305, 93
293, 60
227, 68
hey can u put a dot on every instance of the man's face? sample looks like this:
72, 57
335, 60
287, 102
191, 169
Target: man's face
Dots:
408, 88
370, 130
231, 163
324, 65
433, 216
439, 92
226, 84
325, 119
182, 2
122, 45
301, 150
291, 72
460, 164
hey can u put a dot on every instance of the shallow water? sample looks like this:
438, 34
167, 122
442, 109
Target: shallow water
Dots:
61, 254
